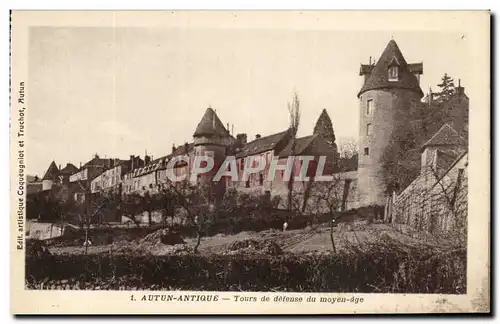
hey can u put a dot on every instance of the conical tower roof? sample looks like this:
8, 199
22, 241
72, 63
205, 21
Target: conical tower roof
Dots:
210, 125
379, 76
52, 172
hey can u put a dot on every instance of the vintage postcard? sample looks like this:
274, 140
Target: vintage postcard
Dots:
266, 162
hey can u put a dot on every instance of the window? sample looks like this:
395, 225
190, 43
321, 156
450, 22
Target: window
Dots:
367, 151
369, 107
261, 179
393, 73
368, 129
151, 186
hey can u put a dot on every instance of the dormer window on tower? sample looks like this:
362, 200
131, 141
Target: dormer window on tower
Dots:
393, 73
393, 70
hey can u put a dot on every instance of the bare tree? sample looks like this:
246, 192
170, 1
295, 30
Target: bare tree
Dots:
450, 194
294, 113
199, 203
348, 148
131, 205
166, 202
436, 202
326, 198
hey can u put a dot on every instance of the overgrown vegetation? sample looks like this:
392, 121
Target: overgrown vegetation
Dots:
414, 126
381, 267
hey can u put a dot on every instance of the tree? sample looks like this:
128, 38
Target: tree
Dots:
131, 206
412, 128
447, 87
348, 155
327, 197
199, 203
324, 128
147, 202
166, 203
450, 192
294, 114
348, 148
400, 159
437, 203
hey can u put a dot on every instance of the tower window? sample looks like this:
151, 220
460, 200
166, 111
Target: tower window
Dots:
393, 73
367, 151
368, 129
369, 107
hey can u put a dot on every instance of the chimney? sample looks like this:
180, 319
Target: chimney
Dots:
147, 159
232, 129
460, 89
59, 167
132, 164
186, 148
173, 148
257, 136
241, 138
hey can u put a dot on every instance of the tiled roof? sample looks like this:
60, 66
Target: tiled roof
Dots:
69, 169
446, 135
161, 162
181, 150
262, 144
52, 172
379, 77
210, 125
300, 145
313, 144
105, 163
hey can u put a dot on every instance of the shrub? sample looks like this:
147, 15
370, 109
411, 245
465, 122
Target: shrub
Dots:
383, 267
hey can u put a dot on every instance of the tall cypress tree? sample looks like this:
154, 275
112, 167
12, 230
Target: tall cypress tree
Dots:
324, 128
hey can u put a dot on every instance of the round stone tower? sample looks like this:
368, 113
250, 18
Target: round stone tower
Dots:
391, 89
211, 138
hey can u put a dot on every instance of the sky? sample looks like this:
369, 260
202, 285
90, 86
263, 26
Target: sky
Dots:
130, 90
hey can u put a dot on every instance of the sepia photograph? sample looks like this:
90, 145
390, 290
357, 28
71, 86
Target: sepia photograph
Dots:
289, 162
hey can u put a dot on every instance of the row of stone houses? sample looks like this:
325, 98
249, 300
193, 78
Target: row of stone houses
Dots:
210, 138
390, 92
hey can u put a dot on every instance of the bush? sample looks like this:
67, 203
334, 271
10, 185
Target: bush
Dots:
379, 267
